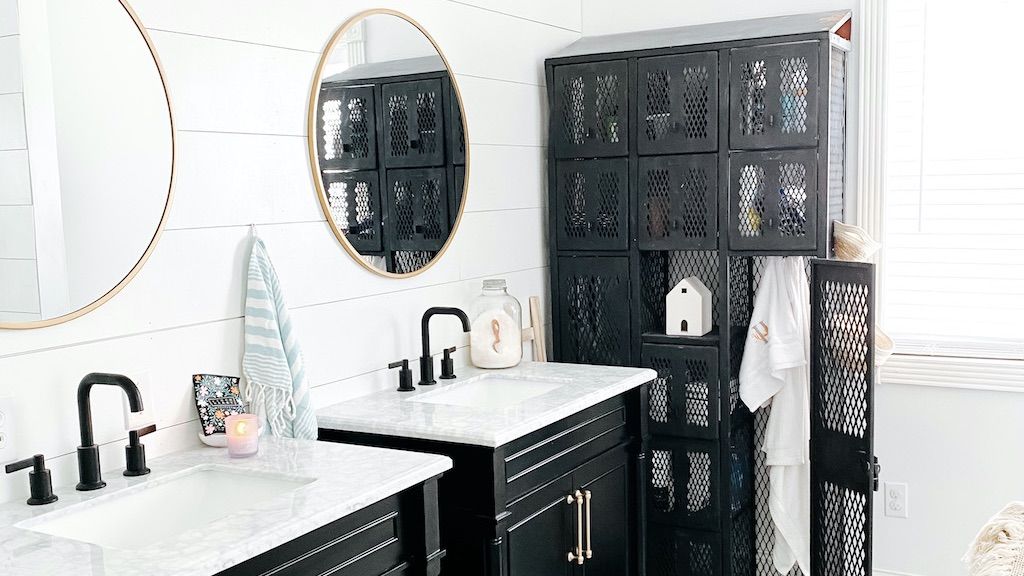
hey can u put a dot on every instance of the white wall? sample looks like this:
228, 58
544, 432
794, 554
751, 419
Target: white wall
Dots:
240, 74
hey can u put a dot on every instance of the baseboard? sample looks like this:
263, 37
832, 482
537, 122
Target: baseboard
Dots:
881, 572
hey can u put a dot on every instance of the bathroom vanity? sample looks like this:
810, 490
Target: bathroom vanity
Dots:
296, 508
547, 463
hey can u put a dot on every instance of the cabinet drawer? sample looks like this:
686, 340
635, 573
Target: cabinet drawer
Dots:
677, 104
773, 200
590, 114
346, 128
678, 202
773, 96
354, 201
683, 483
684, 399
593, 204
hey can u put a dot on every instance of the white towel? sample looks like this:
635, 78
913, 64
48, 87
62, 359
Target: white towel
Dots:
998, 550
272, 363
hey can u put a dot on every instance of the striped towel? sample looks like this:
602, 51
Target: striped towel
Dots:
272, 362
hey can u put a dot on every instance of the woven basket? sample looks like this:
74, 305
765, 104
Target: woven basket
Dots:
852, 243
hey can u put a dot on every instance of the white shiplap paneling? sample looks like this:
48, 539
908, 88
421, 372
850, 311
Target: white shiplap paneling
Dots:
12, 122
240, 74
15, 184
10, 65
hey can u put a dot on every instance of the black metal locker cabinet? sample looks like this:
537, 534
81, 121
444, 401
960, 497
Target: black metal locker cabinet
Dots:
346, 128
354, 200
677, 104
589, 114
414, 134
773, 96
844, 470
418, 208
773, 200
593, 204
678, 202
683, 400
594, 310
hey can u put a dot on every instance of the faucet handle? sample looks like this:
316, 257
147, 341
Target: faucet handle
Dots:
39, 480
135, 452
404, 375
447, 364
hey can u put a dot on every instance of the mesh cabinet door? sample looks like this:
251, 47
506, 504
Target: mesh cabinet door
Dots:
354, 201
593, 204
683, 399
418, 209
346, 128
675, 552
677, 104
773, 96
590, 117
678, 202
414, 131
593, 310
683, 483
773, 200
843, 467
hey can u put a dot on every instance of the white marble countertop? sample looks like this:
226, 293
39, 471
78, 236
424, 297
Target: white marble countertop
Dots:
347, 478
393, 413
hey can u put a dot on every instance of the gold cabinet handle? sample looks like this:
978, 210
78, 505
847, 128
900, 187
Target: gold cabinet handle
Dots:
589, 552
577, 554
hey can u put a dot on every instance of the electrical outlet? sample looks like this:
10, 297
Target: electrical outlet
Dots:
8, 446
135, 421
896, 500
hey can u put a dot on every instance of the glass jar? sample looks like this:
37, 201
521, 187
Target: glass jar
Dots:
496, 335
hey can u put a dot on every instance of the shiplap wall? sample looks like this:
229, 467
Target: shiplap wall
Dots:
239, 74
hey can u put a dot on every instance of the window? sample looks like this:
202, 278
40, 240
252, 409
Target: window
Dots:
953, 274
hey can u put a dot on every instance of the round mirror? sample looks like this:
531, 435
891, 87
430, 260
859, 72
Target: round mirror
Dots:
86, 157
387, 143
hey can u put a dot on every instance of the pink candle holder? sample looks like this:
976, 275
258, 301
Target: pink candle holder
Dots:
243, 432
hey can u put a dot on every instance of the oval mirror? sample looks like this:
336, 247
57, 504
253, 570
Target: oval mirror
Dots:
387, 143
86, 157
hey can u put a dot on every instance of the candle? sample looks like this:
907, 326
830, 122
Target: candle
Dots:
243, 435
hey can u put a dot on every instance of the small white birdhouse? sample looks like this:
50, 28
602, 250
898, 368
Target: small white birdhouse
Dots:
688, 309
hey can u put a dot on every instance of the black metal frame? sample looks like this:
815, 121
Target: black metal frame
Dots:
731, 539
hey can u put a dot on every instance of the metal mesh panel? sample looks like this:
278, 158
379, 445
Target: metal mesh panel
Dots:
844, 515
660, 392
405, 222
695, 101
694, 204
360, 126
434, 225
574, 92
792, 199
407, 261
398, 124
606, 108
331, 117
680, 553
608, 190
764, 529
658, 203
365, 217
593, 315
698, 394
754, 83
751, 200
574, 189
740, 298
844, 377
338, 200
742, 554
659, 104
660, 271
427, 121
683, 483
793, 100
700, 263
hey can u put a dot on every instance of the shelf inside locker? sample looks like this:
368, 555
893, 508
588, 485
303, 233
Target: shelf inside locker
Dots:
709, 339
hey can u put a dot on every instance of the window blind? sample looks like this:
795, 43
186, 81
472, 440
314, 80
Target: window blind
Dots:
953, 273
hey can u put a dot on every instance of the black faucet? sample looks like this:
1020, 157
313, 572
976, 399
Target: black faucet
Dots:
427, 361
89, 453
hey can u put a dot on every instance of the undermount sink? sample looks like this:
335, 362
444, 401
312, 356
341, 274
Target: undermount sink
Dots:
163, 508
491, 392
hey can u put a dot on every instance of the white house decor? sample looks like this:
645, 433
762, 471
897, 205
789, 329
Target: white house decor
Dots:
688, 309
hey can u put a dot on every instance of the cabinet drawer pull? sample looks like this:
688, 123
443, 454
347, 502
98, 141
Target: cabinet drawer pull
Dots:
589, 552
576, 556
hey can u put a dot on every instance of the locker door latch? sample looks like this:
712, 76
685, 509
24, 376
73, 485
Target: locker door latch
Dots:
874, 471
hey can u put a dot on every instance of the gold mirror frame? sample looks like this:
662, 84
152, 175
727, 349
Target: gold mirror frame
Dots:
163, 217
314, 160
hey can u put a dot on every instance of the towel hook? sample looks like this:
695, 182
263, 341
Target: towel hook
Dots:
252, 230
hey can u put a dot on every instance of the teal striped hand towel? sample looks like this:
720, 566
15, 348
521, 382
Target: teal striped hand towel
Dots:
272, 362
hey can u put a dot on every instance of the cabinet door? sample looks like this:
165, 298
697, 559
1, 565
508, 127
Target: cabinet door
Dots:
677, 106
773, 200
593, 204
354, 201
675, 552
414, 124
678, 202
683, 400
609, 531
346, 128
593, 310
773, 96
590, 117
683, 483
541, 531
418, 208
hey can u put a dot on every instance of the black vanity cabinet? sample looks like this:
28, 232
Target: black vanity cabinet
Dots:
397, 536
563, 500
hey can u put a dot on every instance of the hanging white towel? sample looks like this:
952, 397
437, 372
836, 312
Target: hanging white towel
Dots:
776, 370
272, 363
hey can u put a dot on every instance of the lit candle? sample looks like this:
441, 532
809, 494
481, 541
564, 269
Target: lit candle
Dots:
243, 435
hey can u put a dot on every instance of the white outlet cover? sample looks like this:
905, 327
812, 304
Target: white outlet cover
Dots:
8, 423
895, 500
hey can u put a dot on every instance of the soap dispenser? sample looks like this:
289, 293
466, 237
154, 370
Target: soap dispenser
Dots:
39, 480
